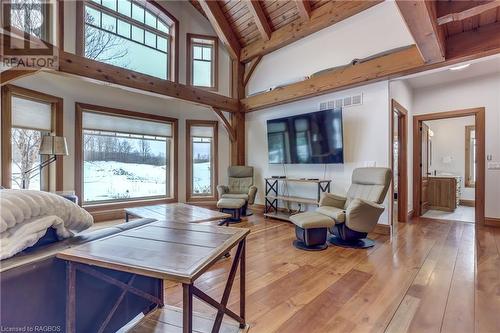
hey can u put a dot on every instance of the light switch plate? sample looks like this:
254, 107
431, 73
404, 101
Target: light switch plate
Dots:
493, 165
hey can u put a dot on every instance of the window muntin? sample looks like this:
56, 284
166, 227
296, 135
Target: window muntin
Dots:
202, 61
31, 16
203, 160
128, 34
125, 158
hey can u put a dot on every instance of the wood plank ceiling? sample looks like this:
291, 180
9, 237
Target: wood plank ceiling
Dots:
472, 23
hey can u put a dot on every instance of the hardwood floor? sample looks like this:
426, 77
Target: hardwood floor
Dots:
434, 276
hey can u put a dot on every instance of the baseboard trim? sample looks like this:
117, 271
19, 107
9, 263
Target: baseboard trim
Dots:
382, 229
108, 215
468, 203
492, 222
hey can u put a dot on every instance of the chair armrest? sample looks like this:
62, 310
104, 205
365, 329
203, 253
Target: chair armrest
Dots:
333, 200
252, 192
222, 189
363, 215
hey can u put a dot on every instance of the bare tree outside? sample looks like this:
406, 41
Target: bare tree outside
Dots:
26, 145
28, 15
101, 45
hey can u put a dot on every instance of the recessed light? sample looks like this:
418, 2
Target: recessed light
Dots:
457, 68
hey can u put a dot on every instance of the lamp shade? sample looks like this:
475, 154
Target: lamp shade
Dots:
53, 145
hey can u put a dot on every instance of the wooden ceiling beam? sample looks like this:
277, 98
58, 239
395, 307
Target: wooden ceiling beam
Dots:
375, 69
467, 13
330, 13
229, 129
251, 68
482, 42
421, 19
304, 8
222, 27
83, 67
260, 19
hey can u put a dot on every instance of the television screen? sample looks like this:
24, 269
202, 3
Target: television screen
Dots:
311, 138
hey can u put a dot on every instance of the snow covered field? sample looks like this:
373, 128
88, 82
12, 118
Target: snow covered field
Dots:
109, 180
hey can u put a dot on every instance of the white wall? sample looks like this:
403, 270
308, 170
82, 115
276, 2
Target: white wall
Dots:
76, 90
448, 143
372, 31
366, 141
401, 91
190, 21
483, 91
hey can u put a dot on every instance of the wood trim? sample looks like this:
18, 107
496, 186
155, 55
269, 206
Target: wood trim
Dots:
372, 70
420, 18
57, 105
60, 24
215, 61
480, 121
467, 203
79, 109
227, 126
80, 66
10, 75
382, 229
411, 215
215, 158
260, 19
304, 9
468, 13
492, 222
403, 160
237, 120
467, 180
250, 69
222, 27
330, 13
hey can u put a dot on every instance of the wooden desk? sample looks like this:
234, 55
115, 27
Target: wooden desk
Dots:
178, 252
176, 212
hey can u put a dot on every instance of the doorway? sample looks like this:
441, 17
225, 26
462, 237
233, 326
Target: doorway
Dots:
399, 162
439, 187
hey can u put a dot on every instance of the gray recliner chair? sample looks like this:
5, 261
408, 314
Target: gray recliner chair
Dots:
240, 186
357, 214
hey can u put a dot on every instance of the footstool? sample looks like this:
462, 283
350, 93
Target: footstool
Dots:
232, 206
311, 230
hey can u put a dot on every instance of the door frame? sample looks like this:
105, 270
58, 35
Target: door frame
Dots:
402, 161
479, 114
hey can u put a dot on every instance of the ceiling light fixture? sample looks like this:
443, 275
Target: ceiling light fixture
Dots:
457, 68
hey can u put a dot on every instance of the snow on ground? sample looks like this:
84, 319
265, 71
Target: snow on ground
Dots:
110, 180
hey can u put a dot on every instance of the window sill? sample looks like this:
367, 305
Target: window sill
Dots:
128, 204
201, 199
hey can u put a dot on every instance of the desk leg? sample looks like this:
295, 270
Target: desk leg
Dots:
71, 297
126, 217
242, 282
187, 308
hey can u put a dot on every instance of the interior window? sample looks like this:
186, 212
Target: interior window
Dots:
202, 64
31, 16
202, 153
129, 34
125, 158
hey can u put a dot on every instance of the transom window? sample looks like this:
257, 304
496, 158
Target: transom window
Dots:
135, 35
31, 16
202, 61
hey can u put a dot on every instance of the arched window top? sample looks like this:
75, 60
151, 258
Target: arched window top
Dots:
133, 34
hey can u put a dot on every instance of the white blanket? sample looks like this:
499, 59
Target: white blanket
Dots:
26, 215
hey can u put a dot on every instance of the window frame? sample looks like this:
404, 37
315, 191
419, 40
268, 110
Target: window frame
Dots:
10, 91
150, 5
190, 60
190, 197
171, 197
468, 154
47, 11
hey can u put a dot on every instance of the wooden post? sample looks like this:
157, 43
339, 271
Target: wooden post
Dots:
238, 119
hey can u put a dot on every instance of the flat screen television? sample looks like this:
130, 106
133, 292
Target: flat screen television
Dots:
311, 138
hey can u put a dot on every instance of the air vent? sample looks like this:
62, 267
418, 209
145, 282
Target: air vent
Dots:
343, 102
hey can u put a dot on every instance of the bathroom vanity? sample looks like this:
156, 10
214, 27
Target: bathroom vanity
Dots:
444, 192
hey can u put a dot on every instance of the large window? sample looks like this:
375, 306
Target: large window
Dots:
135, 35
202, 54
470, 156
31, 16
27, 116
125, 156
202, 141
